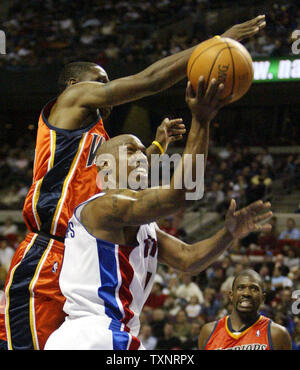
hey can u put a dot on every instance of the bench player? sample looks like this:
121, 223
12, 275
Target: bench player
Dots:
245, 328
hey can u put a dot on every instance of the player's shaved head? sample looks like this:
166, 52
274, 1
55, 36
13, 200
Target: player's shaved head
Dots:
76, 71
249, 273
110, 145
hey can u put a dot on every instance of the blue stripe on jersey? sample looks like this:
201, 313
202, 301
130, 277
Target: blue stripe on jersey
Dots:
108, 278
120, 338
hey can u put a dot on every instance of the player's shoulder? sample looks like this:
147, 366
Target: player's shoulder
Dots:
280, 336
205, 332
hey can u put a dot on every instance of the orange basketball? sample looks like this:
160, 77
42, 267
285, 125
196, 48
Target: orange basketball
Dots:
227, 61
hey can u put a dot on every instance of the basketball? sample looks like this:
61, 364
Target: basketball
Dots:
226, 60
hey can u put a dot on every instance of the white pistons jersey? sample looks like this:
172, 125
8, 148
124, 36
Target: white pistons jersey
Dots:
106, 280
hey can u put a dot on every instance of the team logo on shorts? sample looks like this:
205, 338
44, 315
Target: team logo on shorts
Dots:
55, 267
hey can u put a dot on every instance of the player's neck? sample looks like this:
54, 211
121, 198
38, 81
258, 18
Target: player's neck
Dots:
240, 320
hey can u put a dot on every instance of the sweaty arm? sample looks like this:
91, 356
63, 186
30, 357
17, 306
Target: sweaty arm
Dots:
192, 258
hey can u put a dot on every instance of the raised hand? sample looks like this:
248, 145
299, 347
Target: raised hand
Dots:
205, 103
246, 29
241, 223
170, 130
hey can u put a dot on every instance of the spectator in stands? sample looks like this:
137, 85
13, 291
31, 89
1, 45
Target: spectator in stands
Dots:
169, 340
215, 196
158, 319
260, 184
296, 337
279, 280
156, 298
192, 341
182, 327
187, 289
211, 305
227, 284
267, 158
291, 232
193, 308
291, 258
9, 227
148, 340
6, 255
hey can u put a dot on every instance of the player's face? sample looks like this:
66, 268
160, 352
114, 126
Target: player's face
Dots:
247, 295
137, 162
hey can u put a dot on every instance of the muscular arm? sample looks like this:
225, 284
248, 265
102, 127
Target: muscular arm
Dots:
281, 339
157, 77
192, 258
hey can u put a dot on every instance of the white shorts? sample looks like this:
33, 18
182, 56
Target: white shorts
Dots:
91, 333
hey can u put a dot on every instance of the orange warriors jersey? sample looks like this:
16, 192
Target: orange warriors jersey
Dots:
64, 174
254, 337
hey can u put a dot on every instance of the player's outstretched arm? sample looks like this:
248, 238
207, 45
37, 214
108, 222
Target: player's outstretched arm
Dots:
157, 77
194, 258
281, 339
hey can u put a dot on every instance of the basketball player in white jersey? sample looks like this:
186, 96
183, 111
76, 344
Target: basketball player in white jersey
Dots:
113, 243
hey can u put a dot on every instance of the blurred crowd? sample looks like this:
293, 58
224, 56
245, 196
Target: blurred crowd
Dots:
49, 32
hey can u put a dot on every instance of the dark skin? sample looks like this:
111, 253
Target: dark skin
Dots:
117, 214
247, 296
78, 105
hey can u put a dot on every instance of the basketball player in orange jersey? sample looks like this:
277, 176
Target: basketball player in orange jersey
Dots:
69, 134
245, 328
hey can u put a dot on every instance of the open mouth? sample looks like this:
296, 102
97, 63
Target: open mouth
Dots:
246, 303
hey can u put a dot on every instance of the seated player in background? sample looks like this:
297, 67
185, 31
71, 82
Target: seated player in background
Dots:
245, 328
113, 243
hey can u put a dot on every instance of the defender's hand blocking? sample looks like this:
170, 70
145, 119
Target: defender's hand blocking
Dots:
170, 130
205, 104
248, 219
247, 29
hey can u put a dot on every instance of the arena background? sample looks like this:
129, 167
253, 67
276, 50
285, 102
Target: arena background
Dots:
254, 150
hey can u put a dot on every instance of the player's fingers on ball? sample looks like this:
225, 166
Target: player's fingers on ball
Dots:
188, 91
211, 90
219, 92
200, 88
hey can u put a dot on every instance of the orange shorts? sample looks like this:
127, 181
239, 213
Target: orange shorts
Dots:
33, 301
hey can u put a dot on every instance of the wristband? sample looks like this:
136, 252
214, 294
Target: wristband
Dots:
159, 146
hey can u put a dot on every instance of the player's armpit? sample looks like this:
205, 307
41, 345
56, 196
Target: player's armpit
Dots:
281, 339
